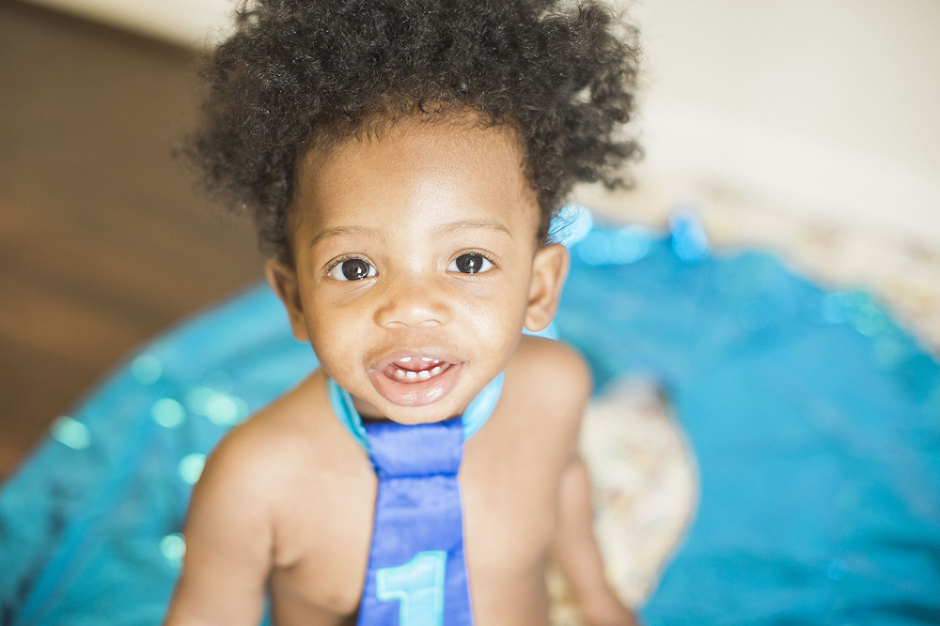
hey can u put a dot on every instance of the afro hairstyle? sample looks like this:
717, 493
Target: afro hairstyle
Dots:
297, 73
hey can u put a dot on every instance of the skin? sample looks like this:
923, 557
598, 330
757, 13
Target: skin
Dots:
285, 503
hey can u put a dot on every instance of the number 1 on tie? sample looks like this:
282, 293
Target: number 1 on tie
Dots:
418, 585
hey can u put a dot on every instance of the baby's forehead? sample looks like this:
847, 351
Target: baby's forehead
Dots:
472, 172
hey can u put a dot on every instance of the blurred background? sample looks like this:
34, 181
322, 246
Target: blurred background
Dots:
808, 128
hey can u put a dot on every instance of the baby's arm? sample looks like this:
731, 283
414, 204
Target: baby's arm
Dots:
573, 544
577, 553
228, 545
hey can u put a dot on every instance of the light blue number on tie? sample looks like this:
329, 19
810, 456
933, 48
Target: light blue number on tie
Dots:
418, 585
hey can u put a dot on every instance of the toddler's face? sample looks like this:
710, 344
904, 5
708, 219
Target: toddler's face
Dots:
417, 265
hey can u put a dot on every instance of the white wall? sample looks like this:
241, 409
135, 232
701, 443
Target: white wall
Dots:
830, 105
834, 105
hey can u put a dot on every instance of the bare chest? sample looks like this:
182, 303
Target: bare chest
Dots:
323, 537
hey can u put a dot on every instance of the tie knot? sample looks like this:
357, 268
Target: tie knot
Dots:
399, 450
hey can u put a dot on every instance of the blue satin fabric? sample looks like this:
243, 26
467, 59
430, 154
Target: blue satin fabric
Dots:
417, 574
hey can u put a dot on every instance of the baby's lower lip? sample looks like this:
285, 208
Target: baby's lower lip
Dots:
417, 384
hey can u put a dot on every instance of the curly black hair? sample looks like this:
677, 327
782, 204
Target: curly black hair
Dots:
303, 72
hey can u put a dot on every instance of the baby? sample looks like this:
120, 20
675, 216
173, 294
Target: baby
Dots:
404, 160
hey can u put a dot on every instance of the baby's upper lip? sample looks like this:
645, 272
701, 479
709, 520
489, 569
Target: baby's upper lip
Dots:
427, 353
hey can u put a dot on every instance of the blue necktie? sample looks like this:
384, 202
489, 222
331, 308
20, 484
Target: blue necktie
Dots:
417, 575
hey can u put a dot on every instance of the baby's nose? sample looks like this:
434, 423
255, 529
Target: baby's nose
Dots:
412, 301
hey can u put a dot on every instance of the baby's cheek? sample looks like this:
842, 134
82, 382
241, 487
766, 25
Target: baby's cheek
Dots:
331, 346
499, 335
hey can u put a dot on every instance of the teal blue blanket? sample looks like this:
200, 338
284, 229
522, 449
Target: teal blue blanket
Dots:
815, 420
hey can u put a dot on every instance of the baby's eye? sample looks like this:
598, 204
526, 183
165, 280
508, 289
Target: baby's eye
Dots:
470, 263
352, 269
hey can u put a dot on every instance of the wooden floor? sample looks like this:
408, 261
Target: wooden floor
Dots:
103, 241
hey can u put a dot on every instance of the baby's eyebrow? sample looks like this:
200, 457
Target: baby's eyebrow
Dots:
474, 225
338, 231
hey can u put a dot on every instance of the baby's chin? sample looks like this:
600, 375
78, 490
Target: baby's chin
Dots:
428, 414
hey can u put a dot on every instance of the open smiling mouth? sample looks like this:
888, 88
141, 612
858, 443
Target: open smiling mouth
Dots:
416, 379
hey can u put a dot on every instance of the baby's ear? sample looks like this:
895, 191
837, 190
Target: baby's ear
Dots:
549, 270
283, 280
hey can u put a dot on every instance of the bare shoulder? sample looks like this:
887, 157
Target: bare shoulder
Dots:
556, 369
551, 380
252, 460
257, 446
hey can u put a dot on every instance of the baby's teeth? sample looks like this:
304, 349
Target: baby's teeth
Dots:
424, 375
411, 375
399, 373
436, 371
405, 360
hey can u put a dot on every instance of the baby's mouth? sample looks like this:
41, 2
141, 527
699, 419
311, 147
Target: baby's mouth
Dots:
416, 368
416, 378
